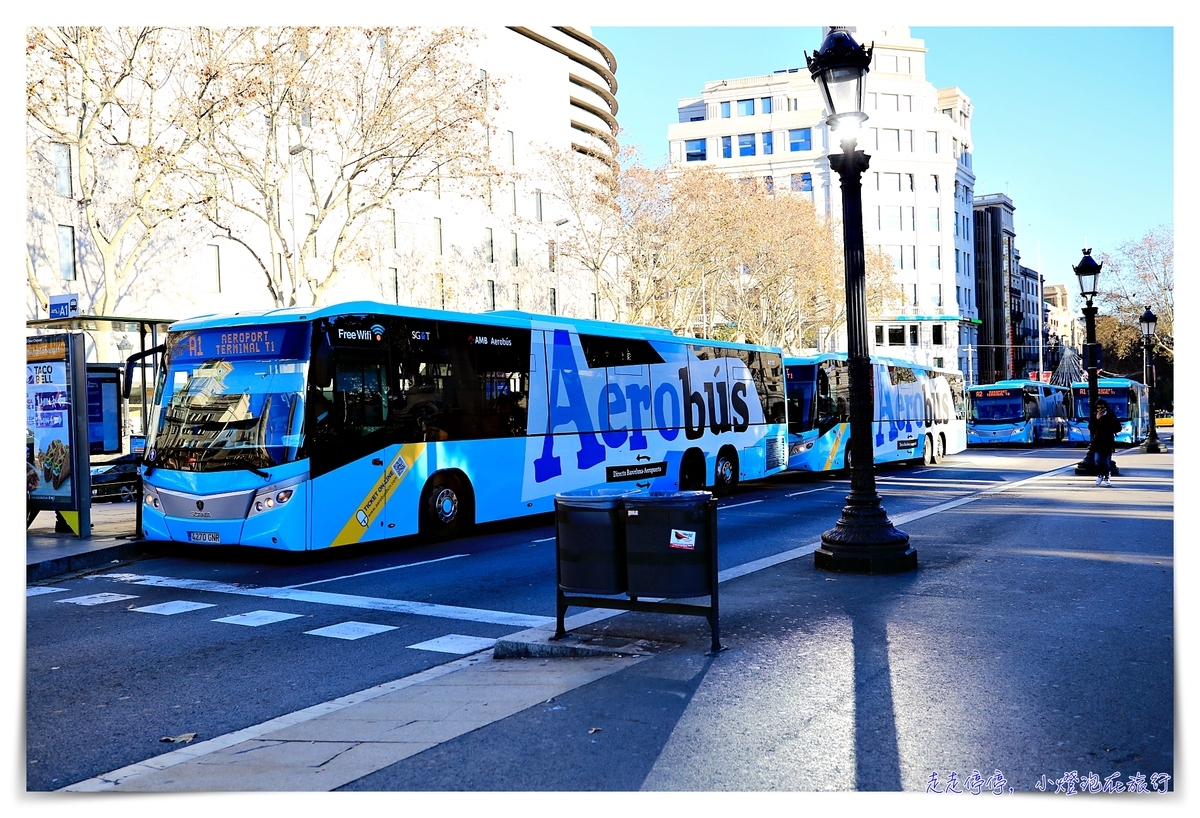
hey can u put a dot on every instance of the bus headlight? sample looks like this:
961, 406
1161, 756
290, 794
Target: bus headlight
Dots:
800, 448
267, 500
150, 497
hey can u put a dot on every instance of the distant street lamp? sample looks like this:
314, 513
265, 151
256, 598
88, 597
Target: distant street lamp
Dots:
864, 541
1149, 323
1088, 272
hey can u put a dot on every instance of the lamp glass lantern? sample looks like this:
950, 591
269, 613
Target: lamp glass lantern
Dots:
839, 68
1149, 322
1088, 272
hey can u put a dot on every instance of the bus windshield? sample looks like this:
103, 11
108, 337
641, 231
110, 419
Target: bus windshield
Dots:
997, 406
221, 412
1117, 400
801, 385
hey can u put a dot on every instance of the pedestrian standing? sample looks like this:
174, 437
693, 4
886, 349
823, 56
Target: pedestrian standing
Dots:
1104, 427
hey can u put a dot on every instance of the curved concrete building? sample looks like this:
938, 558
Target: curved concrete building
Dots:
591, 87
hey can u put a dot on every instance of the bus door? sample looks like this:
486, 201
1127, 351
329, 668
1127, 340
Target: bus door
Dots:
349, 456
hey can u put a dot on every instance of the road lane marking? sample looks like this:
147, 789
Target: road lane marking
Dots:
325, 598
255, 619
172, 608
95, 599
811, 491
455, 643
42, 589
376, 571
739, 505
351, 630
547, 539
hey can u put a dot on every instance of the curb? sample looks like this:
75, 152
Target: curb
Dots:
539, 643
82, 562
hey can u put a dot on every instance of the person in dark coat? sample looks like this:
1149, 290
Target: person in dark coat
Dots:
1104, 427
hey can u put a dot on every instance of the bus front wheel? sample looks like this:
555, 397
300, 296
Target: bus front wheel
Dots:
445, 506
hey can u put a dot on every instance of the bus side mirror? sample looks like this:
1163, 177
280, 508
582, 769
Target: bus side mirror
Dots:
133, 359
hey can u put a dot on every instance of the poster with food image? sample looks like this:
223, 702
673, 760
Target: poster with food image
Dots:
48, 444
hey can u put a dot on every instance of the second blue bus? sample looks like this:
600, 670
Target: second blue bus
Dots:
1018, 411
920, 412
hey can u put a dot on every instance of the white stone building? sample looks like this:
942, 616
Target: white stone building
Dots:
917, 193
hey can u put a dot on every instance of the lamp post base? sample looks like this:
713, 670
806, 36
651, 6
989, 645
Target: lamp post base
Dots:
1152, 447
864, 541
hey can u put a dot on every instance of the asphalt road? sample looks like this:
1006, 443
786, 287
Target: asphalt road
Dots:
107, 682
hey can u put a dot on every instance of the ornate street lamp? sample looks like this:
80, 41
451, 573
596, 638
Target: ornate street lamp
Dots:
1149, 323
1088, 272
863, 541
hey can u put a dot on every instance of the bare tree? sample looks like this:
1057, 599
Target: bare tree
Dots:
1138, 274
333, 125
117, 100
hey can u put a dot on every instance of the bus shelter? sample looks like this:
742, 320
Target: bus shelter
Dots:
76, 408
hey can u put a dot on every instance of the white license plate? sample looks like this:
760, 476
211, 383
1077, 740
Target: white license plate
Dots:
204, 536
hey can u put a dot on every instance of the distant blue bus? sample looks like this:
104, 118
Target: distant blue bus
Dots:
1128, 400
308, 428
919, 412
1018, 411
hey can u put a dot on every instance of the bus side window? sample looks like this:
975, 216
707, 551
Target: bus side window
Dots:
359, 397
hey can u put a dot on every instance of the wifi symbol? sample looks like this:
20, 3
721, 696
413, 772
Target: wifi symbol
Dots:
377, 331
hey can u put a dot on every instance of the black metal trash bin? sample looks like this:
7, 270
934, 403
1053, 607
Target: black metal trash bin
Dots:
590, 538
669, 540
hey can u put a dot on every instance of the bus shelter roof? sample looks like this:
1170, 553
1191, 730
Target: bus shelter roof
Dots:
111, 323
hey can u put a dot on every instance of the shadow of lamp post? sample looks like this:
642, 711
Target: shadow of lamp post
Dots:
1149, 322
863, 541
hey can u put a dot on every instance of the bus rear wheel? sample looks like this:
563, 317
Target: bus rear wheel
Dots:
939, 448
445, 507
725, 478
927, 458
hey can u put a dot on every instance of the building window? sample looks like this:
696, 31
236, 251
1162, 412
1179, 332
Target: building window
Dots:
889, 139
437, 235
727, 147
553, 302
935, 218
489, 247
911, 290
696, 150
394, 272
890, 182
512, 197
62, 169
800, 139
935, 257
515, 258
552, 246
935, 294
745, 107
517, 296
766, 105
66, 252
939, 363
801, 182
537, 204
879, 335
724, 110
769, 183
768, 140
212, 255
746, 144
595, 306
512, 148
933, 182
912, 335
931, 141
896, 336
391, 220
889, 217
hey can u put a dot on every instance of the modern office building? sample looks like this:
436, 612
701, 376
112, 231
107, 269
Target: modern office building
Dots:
549, 88
917, 193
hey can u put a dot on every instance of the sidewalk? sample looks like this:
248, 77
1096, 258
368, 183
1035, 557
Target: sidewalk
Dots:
1034, 645
49, 554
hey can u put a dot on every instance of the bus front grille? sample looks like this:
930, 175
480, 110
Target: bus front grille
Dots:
776, 452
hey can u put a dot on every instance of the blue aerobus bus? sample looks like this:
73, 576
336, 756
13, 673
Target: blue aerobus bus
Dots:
1018, 411
919, 411
1128, 400
302, 429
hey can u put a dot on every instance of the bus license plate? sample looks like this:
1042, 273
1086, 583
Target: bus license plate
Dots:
204, 536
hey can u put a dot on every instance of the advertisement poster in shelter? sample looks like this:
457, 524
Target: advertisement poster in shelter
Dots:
48, 428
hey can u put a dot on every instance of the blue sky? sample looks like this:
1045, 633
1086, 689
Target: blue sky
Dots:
1074, 124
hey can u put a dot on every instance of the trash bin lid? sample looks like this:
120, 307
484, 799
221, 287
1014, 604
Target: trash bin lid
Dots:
594, 498
667, 498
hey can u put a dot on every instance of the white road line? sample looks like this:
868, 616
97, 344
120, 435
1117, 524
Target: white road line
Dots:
95, 599
376, 571
547, 539
172, 608
739, 505
343, 600
351, 630
811, 491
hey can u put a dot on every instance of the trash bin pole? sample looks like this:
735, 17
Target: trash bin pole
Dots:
714, 612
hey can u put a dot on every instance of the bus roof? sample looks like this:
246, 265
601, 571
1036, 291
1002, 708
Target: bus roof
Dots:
505, 318
1109, 382
1013, 383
